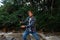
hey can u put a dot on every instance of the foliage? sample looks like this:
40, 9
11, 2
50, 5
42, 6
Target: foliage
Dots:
47, 18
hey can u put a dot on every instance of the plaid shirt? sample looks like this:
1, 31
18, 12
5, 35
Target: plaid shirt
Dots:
30, 24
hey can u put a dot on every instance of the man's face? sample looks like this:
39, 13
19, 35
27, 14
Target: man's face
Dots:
30, 13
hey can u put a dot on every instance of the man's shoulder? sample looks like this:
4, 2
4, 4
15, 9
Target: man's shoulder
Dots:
27, 17
33, 18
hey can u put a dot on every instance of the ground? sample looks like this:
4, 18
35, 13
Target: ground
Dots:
18, 36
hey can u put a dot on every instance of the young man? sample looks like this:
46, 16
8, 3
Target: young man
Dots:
30, 28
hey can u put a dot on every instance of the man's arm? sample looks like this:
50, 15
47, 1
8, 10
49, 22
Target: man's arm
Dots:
23, 26
24, 20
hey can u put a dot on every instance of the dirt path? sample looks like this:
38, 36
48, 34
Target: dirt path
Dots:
18, 36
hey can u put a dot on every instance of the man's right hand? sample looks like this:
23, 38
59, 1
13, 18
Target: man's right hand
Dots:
23, 26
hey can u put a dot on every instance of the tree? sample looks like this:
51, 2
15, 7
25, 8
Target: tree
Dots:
47, 13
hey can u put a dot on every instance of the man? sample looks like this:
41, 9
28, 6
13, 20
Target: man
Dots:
30, 28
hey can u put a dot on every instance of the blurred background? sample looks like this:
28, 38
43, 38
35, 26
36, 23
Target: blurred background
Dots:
47, 13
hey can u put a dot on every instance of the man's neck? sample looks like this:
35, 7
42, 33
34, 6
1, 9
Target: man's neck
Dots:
31, 16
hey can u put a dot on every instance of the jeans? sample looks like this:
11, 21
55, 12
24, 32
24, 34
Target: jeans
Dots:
35, 35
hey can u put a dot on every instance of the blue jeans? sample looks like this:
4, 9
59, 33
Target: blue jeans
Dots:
35, 35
